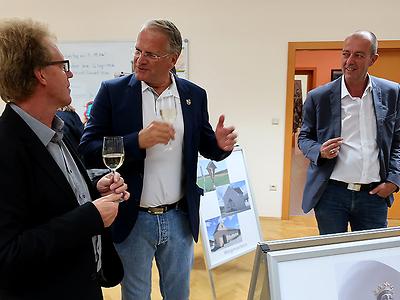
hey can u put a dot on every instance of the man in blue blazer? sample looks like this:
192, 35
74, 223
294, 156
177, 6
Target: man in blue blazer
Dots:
162, 218
351, 135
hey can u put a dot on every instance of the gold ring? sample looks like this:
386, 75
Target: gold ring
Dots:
332, 151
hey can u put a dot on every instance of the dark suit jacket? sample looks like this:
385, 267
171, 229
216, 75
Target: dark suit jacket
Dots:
46, 249
73, 127
322, 121
117, 110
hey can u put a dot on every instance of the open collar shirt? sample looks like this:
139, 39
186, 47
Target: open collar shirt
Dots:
163, 169
358, 160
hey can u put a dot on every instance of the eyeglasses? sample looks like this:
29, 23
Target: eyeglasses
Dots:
149, 55
64, 63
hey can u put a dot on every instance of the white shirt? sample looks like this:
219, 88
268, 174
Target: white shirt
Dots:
163, 170
358, 160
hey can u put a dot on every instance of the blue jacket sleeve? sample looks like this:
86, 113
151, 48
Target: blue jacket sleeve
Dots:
307, 141
100, 124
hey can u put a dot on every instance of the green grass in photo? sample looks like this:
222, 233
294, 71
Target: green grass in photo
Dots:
205, 182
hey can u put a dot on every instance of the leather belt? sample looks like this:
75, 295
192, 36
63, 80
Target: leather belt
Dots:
159, 210
356, 187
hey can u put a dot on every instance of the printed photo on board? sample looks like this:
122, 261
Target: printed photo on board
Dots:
233, 198
211, 174
223, 232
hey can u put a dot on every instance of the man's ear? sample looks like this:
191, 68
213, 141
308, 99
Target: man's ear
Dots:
373, 59
40, 76
174, 59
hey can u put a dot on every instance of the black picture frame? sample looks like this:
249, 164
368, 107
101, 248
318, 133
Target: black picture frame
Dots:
335, 74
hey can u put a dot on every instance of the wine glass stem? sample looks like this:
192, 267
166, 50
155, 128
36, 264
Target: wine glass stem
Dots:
113, 173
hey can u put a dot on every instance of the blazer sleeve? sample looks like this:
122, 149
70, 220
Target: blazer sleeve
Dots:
308, 141
32, 235
100, 124
208, 147
394, 160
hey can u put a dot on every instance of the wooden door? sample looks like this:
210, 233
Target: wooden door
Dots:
387, 66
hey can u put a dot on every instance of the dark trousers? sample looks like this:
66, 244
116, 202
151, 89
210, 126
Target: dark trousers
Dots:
339, 206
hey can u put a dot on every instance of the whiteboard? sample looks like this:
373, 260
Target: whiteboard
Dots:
229, 223
93, 62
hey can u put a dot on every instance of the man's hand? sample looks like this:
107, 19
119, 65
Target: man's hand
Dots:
384, 190
156, 133
226, 137
113, 183
330, 149
108, 207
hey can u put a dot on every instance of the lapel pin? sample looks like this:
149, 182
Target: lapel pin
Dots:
188, 101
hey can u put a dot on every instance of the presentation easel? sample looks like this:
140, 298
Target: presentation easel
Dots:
229, 223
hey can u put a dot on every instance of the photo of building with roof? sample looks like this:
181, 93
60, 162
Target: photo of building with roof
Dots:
223, 232
233, 198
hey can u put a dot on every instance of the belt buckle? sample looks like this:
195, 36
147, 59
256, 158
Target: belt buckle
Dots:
354, 187
156, 210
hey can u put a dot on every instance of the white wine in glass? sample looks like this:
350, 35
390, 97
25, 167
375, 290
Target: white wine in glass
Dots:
113, 152
167, 110
113, 160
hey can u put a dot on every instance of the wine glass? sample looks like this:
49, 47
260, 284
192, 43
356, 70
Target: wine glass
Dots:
113, 152
167, 110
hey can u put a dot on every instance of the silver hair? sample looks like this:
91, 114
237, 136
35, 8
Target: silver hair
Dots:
369, 35
170, 30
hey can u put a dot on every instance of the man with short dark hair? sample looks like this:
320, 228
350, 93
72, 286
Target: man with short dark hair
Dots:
160, 162
53, 241
351, 135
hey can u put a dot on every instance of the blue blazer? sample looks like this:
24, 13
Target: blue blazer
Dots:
322, 121
117, 110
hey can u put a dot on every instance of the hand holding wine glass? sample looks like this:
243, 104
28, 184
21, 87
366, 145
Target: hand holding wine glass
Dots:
167, 109
113, 152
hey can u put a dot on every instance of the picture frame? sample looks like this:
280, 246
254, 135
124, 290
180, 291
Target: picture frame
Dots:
336, 73
338, 266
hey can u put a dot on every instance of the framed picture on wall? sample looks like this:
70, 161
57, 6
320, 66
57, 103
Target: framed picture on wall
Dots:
336, 73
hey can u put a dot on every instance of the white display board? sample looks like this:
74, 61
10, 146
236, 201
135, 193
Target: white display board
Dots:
366, 270
229, 223
345, 266
94, 62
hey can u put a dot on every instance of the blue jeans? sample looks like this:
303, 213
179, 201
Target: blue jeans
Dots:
168, 239
339, 206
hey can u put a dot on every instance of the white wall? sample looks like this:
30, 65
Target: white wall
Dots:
237, 51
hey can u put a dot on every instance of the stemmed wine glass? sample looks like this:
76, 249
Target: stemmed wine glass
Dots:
167, 110
113, 152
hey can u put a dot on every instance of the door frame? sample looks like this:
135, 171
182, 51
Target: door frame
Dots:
287, 159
